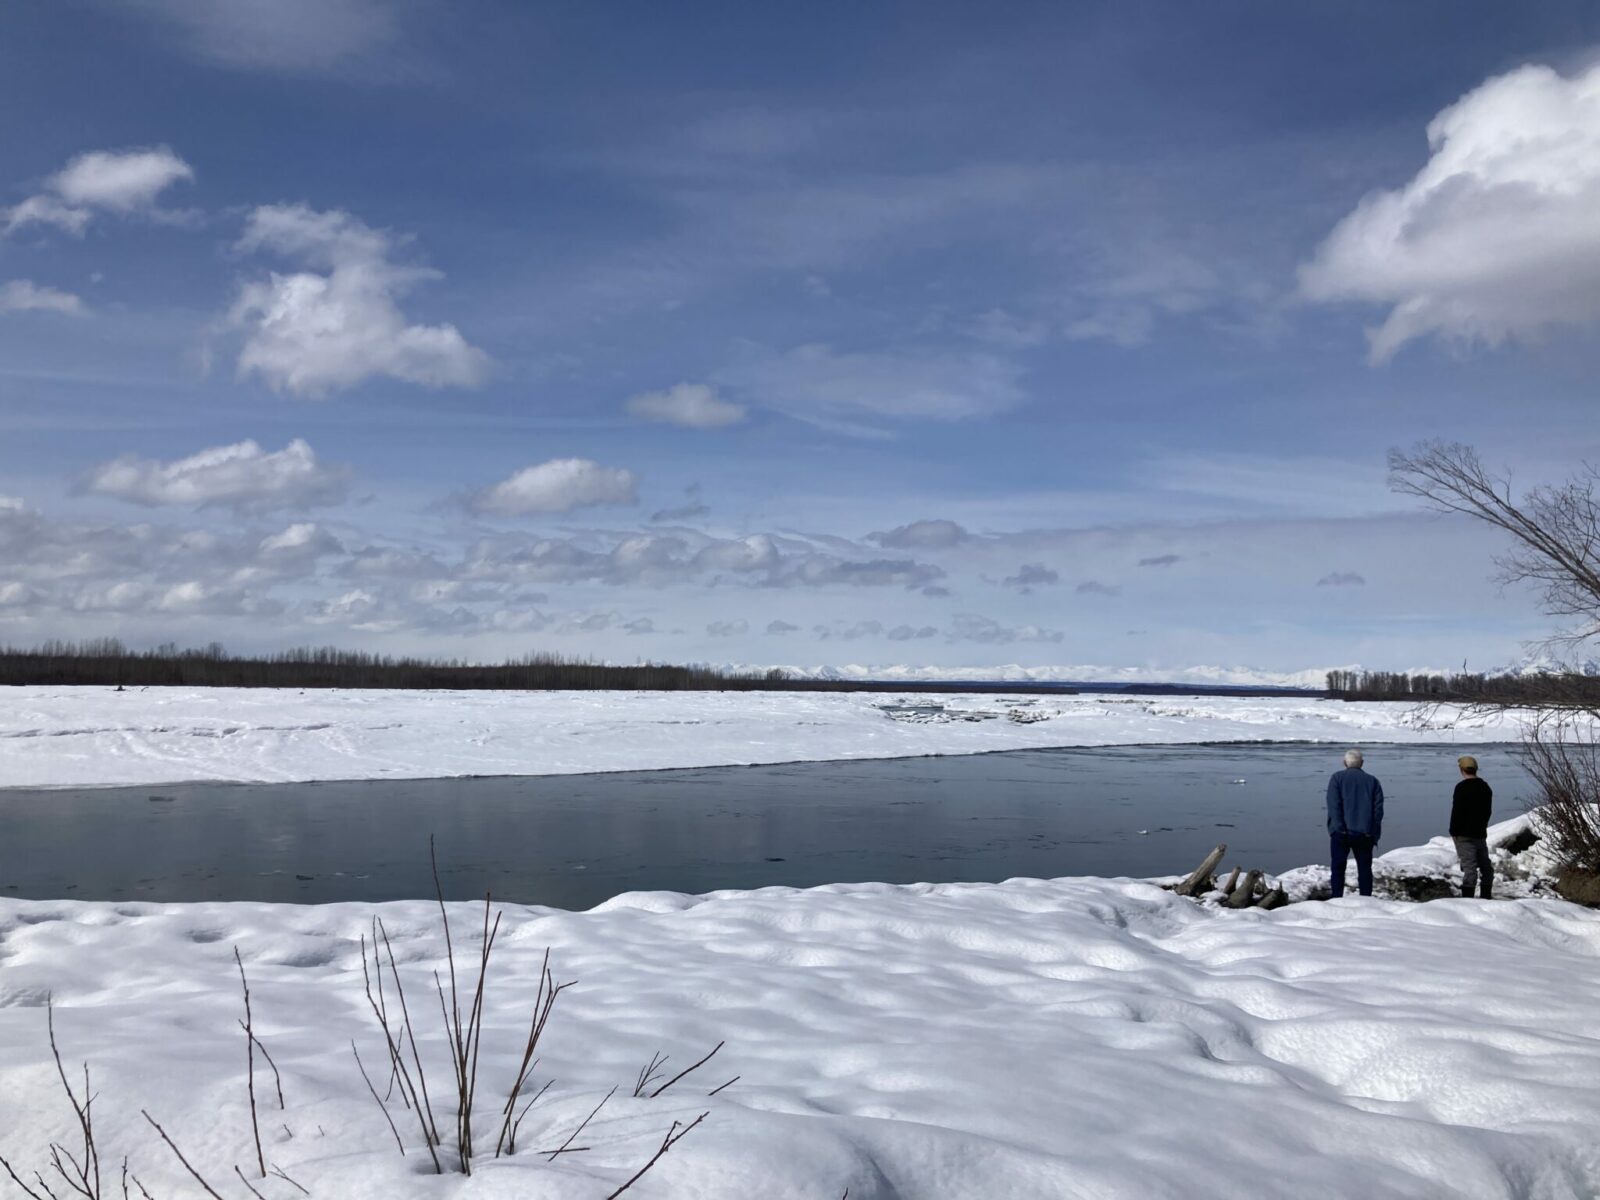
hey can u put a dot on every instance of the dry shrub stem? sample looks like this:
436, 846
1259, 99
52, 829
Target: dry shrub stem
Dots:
80, 1172
686, 1070
566, 1146
247, 1183
250, 1059
648, 1073
279, 1172
674, 1136
173, 1146
543, 1003
401, 1146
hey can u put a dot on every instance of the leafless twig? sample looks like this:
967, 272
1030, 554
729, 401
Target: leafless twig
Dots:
247, 1183
250, 1059
649, 1073
198, 1178
674, 1136
278, 1171
401, 1145
565, 1147
686, 1070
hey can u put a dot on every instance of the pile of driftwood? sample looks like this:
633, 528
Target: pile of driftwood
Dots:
1249, 892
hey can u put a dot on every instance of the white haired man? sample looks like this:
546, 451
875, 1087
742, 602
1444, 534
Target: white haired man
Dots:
1355, 821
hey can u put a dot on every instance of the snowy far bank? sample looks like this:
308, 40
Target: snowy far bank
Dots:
1100, 1039
88, 736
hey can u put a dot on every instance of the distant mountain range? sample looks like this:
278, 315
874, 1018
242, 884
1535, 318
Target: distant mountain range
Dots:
1207, 676
1313, 678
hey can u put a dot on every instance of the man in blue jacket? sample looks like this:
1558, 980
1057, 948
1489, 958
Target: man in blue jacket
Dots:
1355, 821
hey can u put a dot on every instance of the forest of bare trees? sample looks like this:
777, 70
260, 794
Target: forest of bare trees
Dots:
107, 662
1534, 690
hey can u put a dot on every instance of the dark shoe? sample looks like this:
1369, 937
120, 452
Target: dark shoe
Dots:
1485, 894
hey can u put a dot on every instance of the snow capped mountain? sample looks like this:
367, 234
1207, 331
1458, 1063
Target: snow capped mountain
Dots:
1543, 662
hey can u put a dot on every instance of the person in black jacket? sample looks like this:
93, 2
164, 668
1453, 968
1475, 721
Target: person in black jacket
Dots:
1469, 826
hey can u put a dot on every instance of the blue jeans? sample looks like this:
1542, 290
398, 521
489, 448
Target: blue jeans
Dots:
1343, 845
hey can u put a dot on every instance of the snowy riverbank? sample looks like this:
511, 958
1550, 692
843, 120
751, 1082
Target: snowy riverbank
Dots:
57, 737
1100, 1039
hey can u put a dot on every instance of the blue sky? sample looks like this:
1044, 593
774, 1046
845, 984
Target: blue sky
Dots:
931, 334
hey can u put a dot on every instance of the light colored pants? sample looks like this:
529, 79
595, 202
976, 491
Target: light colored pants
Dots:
1477, 874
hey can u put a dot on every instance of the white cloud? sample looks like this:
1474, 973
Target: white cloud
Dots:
312, 333
1030, 576
1342, 579
119, 181
242, 476
278, 35
23, 295
817, 383
694, 405
47, 210
560, 485
734, 628
971, 627
1093, 587
1498, 236
922, 535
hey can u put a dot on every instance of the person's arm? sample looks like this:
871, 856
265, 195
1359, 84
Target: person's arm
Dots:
1377, 811
1335, 805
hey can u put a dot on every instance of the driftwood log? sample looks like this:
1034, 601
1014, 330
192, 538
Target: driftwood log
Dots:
1244, 895
1233, 878
1200, 880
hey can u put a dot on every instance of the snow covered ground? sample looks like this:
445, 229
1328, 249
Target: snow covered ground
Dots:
97, 736
1100, 1039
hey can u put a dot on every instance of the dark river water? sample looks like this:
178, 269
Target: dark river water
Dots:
575, 840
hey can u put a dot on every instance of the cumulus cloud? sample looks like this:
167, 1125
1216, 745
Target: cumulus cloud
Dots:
331, 327
733, 628
559, 485
820, 570
23, 295
1030, 576
684, 512
922, 535
758, 552
780, 628
1093, 587
1161, 560
1497, 236
906, 633
819, 384
302, 542
1342, 579
117, 181
241, 476
693, 405
971, 627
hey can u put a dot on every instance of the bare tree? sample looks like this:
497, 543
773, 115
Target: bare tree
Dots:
1555, 545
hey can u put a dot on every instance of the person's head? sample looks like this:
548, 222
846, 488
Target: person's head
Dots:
1352, 758
1468, 765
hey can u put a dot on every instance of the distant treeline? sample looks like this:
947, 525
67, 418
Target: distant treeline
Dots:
108, 662
1535, 690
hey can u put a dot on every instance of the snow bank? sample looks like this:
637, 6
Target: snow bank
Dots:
1100, 1039
57, 737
